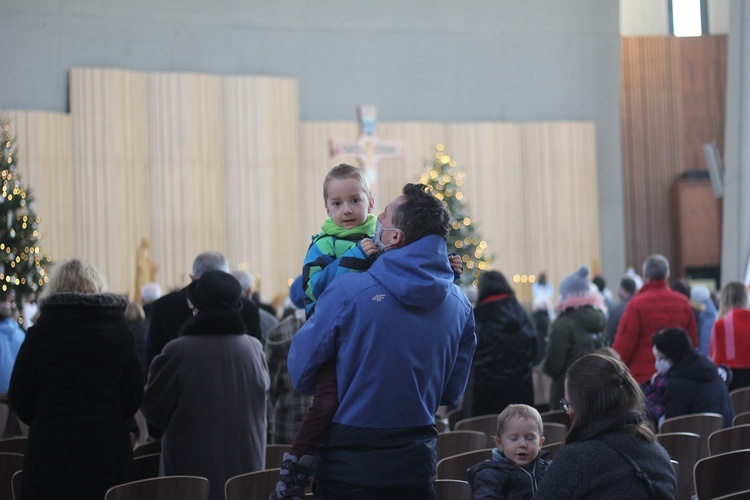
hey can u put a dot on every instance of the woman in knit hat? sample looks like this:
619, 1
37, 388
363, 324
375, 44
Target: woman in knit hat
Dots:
577, 330
208, 389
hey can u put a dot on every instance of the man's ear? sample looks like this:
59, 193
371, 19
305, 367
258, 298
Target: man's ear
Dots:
398, 239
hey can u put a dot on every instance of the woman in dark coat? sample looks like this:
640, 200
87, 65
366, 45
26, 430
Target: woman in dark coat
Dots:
506, 345
76, 380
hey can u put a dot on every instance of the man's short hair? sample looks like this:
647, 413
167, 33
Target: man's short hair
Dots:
209, 261
627, 285
246, 280
656, 267
421, 214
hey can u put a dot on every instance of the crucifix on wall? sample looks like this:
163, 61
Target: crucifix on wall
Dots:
369, 149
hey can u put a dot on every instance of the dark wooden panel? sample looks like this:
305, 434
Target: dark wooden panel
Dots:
672, 101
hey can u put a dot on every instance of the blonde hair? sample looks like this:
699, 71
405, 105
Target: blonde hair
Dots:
520, 411
134, 312
733, 296
75, 276
346, 171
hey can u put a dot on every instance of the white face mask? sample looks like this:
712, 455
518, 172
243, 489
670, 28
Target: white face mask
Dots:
662, 366
378, 233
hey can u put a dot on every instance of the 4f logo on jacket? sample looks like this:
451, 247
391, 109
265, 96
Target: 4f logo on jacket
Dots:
379, 297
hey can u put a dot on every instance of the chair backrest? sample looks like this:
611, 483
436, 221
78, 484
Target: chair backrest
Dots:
741, 418
13, 445
740, 399
456, 442
146, 466
15, 483
161, 488
740, 495
557, 416
453, 416
455, 467
554, 432
685, 448
702, 424
4, 413
452, 489
552, 449
10, 463
275, 454
722, 474
482, 423
147, 448
729, 439
251, 485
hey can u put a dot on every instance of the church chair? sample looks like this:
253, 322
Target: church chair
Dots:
740, 495
702, 424
13, 445
275, 454
10, 463
722, 474
740, 399
557, 416
452, 489
482, 423
146, 466
554, 432
552, 449
741, 418
4, 413
161, 488
455, 467
15, 483
729, 439
147, 448
452, 417
258, 484
685, 448
456, 442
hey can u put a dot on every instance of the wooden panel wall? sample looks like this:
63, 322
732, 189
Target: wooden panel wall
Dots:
673, 101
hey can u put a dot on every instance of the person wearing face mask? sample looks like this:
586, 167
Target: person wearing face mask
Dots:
349, 241
685, 381
400, 338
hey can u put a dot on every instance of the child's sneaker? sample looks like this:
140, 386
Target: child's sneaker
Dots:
294, 477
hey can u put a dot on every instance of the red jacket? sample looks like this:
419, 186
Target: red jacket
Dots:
730, 340
654, 307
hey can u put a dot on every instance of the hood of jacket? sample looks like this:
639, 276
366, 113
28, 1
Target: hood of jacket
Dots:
695, 366
106, 300
590, 318
418, 274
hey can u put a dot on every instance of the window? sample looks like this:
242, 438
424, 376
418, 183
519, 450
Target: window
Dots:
688, 17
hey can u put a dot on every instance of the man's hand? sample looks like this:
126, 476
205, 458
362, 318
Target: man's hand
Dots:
456, 264
369, 247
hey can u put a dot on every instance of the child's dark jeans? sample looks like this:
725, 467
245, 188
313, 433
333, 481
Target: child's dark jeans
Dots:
319, 416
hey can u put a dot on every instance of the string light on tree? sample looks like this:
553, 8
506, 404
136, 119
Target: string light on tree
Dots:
22, 260
447, 182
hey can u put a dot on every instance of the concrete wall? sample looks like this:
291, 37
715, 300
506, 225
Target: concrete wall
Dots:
431, 60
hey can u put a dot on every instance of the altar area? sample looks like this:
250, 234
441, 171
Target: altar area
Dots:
193, 162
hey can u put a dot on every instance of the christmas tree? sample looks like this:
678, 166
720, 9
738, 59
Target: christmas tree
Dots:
446, 181
22, 260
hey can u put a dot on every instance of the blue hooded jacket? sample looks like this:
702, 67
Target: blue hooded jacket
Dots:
403, 337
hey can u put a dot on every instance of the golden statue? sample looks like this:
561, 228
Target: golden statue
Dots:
145, 268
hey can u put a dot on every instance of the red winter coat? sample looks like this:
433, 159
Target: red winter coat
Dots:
730, 340
654, 307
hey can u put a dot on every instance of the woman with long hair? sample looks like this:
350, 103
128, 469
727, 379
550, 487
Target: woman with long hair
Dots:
506, 346
730, 337
608, 439
76, 380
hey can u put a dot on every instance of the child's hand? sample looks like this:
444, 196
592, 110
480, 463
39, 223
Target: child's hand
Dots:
456, 264
369, 247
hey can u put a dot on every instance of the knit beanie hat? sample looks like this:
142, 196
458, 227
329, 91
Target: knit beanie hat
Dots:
576, 291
